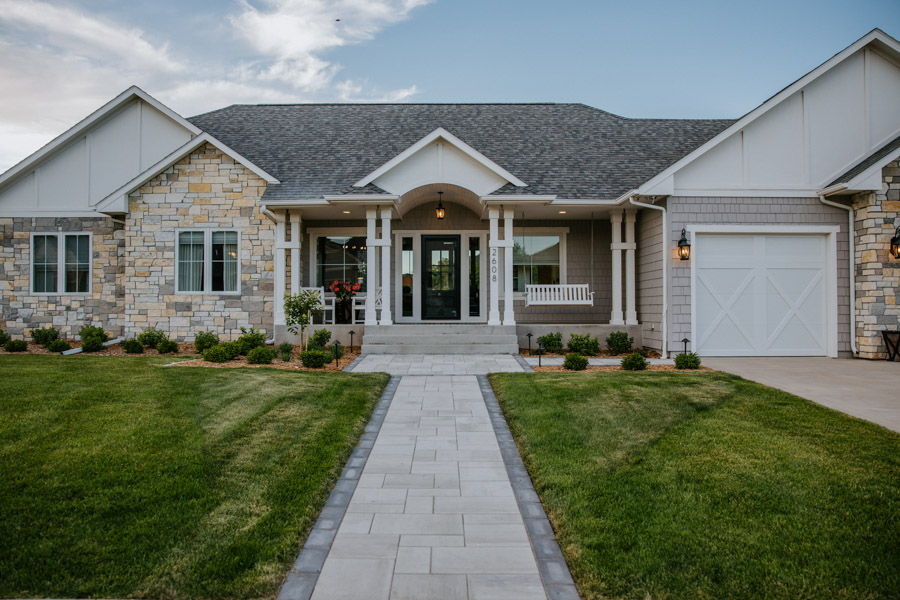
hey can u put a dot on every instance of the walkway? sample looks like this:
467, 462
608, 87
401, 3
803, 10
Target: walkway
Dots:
437, 509
863, 388
438, 364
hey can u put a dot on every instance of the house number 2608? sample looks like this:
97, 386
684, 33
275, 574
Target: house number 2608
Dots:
493, 264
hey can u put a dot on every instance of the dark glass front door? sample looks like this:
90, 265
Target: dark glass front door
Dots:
440, 277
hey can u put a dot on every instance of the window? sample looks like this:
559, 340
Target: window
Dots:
536, 260
72, 251
341, 258
208, 261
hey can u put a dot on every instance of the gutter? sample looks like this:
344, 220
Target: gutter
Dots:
851, 236
665, 266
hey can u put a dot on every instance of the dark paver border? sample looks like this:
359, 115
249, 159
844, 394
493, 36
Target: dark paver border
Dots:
305, 571
555, 574
349, 368
523, 363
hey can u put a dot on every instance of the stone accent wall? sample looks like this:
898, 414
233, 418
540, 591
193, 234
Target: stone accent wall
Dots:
877, 215
22, 311
204, 190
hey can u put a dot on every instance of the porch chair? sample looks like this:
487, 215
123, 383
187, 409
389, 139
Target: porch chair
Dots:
326, 304
358, 308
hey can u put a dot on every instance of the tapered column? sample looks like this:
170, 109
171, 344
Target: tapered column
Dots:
630, 283
295, 252
615, 218
371, 257
280, 268
494, 262
509, 317
386, 266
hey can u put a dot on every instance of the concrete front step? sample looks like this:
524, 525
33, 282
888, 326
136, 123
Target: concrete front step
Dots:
460, 338
450, 338
440, 349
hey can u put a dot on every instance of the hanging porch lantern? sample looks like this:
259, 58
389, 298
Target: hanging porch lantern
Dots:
895, 244
439, 212
684, 246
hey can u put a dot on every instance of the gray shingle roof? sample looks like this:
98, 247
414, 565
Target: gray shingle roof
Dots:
891, 147
571, 150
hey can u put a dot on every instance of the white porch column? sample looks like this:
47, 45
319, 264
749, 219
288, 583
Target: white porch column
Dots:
508, 313
386, 266
371, 257
494, 261
296, 243
280, 268
630, 283
615, 218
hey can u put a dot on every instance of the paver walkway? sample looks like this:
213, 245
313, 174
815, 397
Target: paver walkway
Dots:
433, 514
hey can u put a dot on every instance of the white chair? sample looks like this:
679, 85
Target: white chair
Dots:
325, 304
358, 308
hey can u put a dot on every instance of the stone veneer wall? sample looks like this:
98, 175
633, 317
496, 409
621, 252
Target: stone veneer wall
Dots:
22, 311
877, 215
204, 190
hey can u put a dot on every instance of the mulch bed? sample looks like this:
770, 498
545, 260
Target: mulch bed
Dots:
618, 368
601, 354
294, 365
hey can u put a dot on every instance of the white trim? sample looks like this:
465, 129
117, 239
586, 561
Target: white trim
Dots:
747, 193
361, 199
870, 179
21, 214
872, 36
440, 132
91, 119
60, 264
831, 231
173, 158
207, 261
519, 199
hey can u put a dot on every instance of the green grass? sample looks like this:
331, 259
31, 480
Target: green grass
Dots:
123, 478
675, 485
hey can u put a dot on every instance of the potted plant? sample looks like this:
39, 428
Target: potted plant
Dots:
343, 295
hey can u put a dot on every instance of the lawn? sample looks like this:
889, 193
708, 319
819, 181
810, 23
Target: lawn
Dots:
120, 477
705, 485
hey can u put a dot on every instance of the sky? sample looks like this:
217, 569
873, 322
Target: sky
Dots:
61, 60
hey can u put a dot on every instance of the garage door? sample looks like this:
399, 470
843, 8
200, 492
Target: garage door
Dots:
760, 295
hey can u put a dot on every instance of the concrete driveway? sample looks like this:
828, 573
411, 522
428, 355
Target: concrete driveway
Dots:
868, 389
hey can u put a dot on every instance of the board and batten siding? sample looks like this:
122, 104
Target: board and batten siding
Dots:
684, 211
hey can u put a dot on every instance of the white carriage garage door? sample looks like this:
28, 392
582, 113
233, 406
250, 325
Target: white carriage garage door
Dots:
761, 294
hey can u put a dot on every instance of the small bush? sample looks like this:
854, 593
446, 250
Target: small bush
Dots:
584, 344
59, 346
15, 346
204, 340
216, 354
92, 338
166, 347
151, 338
44, 336
285, 349
132, 346
313, 359
619, 342
552, 342
4, 337
250, 339
232, 349
319, 339
575, 362
260, 356
687, 360
634, 362
335, 351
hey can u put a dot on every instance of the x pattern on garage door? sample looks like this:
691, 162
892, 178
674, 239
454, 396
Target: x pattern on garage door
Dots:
761, 295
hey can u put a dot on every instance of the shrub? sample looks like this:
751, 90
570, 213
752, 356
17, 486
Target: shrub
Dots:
260, 356
92, 338
59, 346
44, 336
552, 342
232, 349
15, 346
335, 351
313, 359
167, 347
204, 340
216, 354
150, 338
687, 360
584, 344
285, 349
250, 339
575, 362
132, 346
4, 337
619, 342
319, 340
634, 362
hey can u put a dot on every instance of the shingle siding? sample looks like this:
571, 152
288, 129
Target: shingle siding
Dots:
649, 229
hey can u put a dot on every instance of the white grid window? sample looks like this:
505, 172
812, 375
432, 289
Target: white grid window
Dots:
72, 252
208, 261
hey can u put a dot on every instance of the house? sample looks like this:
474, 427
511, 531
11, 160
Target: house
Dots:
765, 235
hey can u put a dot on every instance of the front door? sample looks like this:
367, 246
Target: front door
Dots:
440, 277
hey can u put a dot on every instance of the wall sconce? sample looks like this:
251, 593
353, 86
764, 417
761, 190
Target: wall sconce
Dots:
684, 246
439, 211
895, 244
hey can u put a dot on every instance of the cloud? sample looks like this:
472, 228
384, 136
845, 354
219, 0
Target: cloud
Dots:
60, 62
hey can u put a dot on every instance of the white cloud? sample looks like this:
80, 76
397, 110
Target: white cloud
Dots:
60, 62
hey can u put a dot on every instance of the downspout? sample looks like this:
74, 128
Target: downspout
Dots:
851, 235
665, 270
